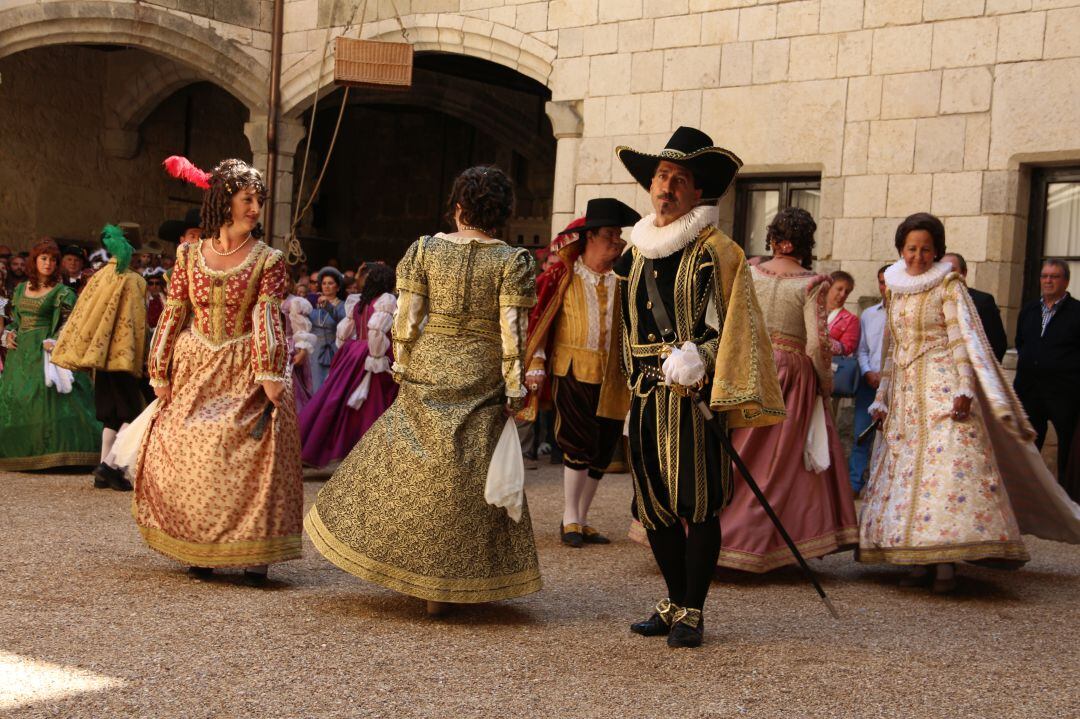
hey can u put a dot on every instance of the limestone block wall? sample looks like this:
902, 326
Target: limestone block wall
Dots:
900, 105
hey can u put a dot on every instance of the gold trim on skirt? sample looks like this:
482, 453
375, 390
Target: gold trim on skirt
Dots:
47, 461
1011, 551
437, 589
224, 554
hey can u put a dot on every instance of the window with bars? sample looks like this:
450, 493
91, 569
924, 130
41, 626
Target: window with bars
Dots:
758, 199
1054, 229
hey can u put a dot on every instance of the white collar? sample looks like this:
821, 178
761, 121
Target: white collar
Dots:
468, 240
900, 282
655, 242
587, 274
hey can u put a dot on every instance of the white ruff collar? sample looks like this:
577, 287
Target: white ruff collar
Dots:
655, 242
900, 282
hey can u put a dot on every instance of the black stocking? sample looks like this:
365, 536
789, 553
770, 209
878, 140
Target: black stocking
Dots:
702, 549
669, 548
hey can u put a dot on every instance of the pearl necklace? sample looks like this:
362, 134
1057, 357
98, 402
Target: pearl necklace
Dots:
233, 251
489, 233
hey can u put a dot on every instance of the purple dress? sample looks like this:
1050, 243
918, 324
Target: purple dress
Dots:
298, 331
358, 388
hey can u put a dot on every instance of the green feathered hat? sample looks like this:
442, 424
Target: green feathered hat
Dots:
117, 245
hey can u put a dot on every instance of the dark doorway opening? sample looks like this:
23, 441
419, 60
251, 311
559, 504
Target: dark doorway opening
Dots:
398, 152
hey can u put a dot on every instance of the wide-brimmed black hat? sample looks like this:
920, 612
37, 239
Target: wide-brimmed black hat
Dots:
74, 250
714, 167
607, 212
171, 230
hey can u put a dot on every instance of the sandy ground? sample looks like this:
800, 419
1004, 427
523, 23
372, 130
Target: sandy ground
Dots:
93, 624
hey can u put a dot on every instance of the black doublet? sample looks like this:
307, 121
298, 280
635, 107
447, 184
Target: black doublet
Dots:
678, 471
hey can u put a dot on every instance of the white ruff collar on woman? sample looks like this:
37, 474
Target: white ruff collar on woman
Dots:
900, 282
656, 242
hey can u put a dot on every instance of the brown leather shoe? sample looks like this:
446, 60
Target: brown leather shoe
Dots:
592, 536
571, 535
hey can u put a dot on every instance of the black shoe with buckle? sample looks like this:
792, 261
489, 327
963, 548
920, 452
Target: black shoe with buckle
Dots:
571, 535
659, 623
592, 536
106, 476
687, 629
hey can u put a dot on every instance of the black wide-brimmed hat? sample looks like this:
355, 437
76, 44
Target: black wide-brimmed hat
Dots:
171, 230
607, 212
714, 167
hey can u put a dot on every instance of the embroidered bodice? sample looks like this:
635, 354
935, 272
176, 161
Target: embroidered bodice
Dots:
795, 313
49, 311
225, 307
466, 286
922, 318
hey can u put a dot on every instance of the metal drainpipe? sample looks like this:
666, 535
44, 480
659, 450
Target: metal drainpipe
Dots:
272, 117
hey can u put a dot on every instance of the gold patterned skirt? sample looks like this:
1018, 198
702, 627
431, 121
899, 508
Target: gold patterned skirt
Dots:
935, 492
406, 508
206, 492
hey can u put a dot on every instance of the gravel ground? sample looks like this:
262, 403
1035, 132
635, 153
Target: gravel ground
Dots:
86, 608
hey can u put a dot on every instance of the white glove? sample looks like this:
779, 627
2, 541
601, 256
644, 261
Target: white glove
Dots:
683, 366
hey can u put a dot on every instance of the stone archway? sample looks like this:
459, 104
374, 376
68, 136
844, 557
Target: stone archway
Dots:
445, 33
211, 56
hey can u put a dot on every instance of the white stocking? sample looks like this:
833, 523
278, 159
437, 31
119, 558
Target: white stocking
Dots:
108, 436
573, 484
588, 491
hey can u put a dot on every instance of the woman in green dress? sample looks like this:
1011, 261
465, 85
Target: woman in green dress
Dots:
39, 426
407, 508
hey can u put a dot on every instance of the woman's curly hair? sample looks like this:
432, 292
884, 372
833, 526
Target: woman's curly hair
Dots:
44, 246
486, 196
228, 178
379, 278
797, 226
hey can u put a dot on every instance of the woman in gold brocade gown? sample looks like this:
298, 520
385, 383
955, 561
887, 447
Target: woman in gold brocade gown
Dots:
406, 509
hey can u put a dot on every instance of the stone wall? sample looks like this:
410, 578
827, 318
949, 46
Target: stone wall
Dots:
57, 177
900, 105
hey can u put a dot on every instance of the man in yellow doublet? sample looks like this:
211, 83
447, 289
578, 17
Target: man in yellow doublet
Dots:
569, 337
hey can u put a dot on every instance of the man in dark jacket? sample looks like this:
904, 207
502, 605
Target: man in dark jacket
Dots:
985, 305
1048, 368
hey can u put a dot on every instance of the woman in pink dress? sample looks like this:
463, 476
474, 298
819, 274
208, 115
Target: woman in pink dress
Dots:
843, 325
359, 386
815, 504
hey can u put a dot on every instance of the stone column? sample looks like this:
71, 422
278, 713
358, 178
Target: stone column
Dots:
567, 125
290, 133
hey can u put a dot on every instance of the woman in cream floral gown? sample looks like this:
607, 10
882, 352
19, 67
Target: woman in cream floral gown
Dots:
935, 494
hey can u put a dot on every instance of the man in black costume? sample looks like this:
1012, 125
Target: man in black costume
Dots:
691, 325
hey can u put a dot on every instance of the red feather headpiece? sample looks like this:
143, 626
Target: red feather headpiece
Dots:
184, 169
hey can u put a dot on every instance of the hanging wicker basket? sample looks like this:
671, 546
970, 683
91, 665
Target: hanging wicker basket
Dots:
371, 63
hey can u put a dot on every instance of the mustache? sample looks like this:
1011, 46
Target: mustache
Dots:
668, 196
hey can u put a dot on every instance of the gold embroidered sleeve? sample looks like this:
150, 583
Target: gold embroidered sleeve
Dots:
517, 293
269, 347
881, 398
818, 346
745, 384
171, 322
955, 292
518, 287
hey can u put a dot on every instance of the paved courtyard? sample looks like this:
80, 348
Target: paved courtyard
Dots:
93, 624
